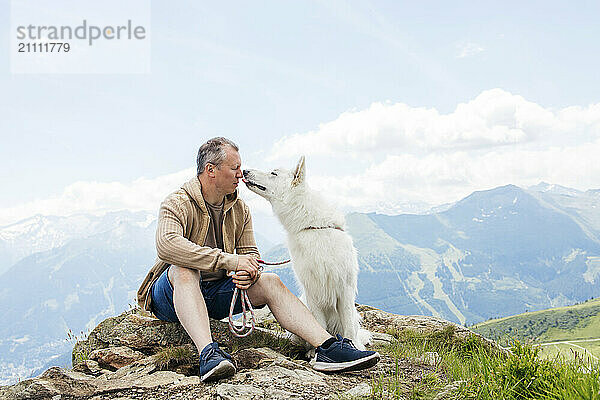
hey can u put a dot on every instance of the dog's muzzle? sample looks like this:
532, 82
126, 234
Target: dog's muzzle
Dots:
250, 183
256, 185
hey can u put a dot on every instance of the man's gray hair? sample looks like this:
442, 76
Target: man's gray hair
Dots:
213, 151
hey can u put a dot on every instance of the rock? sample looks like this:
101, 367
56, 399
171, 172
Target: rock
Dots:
227, 391
430, 358
364, 389
291, 377
126, 377
253, 358
54, 382
135, 356
262, 357
278, 394
263, 315
381, 339
187, 380
376, 320
115, 357
159, 378
149, 335
143, 333
90, 367
448, 391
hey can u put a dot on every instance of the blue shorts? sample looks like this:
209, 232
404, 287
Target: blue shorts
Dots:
217, 295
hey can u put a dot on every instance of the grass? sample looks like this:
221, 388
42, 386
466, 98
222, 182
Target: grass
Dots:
481, 373
173, 356
262, 339
80, 353
585, 329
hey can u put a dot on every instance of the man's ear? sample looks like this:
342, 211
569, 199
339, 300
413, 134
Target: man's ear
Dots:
209, 169
300, 172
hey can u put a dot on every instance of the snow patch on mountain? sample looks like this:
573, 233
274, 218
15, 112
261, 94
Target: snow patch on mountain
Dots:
41, 233
71, 299
573, 255
593, 269
555, 189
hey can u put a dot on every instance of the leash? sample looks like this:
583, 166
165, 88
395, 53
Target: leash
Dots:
239, 332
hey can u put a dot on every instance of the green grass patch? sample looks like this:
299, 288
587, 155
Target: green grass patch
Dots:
588, 328
258, 339
410, 343
80, 352
170, 357
478, 372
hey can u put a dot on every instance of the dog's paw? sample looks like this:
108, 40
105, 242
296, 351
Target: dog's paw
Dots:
364, 338
310, 354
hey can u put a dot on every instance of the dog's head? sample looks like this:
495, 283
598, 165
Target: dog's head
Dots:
275, 184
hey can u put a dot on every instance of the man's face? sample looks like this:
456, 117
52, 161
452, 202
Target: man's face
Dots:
228, 174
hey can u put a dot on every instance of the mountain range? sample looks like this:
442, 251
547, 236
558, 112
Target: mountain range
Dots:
494, 253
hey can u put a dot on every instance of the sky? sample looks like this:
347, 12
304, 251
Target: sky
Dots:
398, 106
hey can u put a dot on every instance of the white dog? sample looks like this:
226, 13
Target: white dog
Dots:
324, 259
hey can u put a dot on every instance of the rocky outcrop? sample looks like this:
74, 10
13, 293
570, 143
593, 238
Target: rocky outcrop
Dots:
135, 356
377, 320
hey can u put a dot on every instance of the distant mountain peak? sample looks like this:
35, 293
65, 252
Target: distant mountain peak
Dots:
554, 188
34, 219
507, 194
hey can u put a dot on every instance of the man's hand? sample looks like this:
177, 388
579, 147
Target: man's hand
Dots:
243, 280
248, 264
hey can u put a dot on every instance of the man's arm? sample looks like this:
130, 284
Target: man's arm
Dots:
246, 246
173, 248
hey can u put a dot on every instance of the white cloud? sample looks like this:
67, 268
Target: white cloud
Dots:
494, 118
395, 158
468, 49
417, 155
91, 196
446, 177
100, 197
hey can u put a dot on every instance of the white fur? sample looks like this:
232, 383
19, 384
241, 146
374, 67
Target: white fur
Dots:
324, 260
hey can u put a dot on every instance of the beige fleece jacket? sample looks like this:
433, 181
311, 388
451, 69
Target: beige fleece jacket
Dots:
182, 228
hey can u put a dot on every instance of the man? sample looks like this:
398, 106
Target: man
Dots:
204, 235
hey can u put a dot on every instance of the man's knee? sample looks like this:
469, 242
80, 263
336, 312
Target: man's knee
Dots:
270, 281
266, 289
182, 275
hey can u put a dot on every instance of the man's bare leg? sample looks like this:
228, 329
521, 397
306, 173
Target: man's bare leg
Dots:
289, 311
189, 305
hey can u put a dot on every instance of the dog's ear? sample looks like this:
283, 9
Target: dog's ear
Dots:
300, 172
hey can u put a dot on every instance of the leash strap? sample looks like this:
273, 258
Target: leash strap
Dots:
272, 263
244, 330
239, 332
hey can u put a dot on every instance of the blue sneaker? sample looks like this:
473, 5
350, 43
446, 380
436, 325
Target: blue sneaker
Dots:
215, 363
341, 355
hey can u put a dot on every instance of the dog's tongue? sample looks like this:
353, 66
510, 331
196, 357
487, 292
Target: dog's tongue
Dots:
244, 180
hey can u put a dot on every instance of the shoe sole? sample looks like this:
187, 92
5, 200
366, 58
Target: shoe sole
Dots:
223, 370
361, 363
